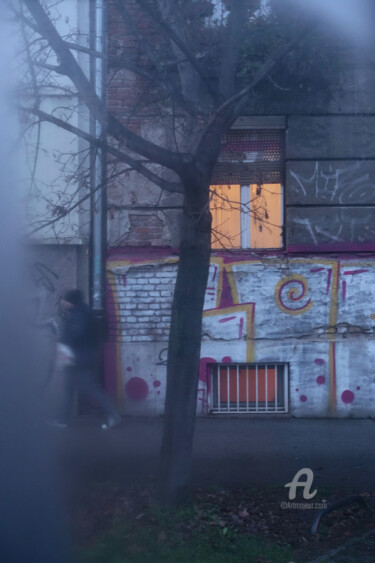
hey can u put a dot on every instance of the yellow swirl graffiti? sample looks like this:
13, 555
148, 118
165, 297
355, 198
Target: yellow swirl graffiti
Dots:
296, 288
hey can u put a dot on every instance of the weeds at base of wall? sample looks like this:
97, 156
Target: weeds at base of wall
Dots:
162, 543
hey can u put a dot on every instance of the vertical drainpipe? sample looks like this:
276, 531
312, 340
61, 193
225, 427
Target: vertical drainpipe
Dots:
98, 16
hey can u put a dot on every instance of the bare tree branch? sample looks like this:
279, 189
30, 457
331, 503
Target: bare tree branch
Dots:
121, 156
163, 77
82, 49
228, 111
231, 48
177, 38
54, 68
115, 128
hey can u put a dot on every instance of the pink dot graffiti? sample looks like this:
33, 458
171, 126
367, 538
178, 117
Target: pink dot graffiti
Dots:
347, 396
136, 388
320, 379
303, 398
128, 368
226, 360
358, 388
319, 361
156, 383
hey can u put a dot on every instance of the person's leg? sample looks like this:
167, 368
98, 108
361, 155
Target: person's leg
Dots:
87, 383
69, 385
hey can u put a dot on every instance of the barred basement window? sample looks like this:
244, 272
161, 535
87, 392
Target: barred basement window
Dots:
246, 192
249, 388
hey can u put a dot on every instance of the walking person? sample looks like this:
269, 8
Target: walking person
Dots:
79, 336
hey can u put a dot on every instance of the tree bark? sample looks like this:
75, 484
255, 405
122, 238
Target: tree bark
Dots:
184, 354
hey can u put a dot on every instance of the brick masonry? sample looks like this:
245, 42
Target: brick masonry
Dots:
310, 313
142, 305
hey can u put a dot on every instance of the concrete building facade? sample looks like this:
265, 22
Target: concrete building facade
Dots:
288, 325
54, 165
288, 321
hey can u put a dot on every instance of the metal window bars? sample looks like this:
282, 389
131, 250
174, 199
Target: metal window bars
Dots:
249, 388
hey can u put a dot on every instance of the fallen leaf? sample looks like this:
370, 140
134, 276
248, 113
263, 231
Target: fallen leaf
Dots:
140, 516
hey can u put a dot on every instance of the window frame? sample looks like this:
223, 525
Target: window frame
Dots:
227, 406
246, 222
260, 123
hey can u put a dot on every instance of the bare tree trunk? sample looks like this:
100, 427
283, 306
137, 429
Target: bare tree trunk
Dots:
184, 354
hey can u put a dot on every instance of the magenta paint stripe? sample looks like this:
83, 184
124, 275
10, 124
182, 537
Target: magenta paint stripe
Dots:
226, 292
329, 279
140, 254
215, 272
110, 348
241, 328
333, 376
354, 272
313, 270
334, 247
226, 319
203, 371
344, 290
338, 279
248, 257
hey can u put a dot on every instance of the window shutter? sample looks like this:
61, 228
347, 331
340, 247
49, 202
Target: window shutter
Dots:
250, 156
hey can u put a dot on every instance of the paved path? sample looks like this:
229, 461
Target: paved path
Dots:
227, 451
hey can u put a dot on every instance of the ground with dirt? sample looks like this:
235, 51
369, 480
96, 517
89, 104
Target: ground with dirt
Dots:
240, 468
222, 518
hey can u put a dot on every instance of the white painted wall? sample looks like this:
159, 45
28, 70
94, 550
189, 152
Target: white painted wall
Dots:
314, 314
49, 156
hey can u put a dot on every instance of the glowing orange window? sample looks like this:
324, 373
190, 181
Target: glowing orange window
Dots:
246, 216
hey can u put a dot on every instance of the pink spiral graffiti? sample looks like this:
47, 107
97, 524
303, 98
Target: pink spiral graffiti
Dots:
296, 292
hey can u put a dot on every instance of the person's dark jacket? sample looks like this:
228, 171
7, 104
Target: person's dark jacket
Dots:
78, 332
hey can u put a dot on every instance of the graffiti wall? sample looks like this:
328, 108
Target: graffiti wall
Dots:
315, 314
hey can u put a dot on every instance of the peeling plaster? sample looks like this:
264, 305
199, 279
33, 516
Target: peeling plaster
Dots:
308, 312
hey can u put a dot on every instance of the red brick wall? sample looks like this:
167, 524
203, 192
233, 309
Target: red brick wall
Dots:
129, 97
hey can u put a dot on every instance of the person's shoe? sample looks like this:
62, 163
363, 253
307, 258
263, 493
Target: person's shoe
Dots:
112, 422
58, 424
